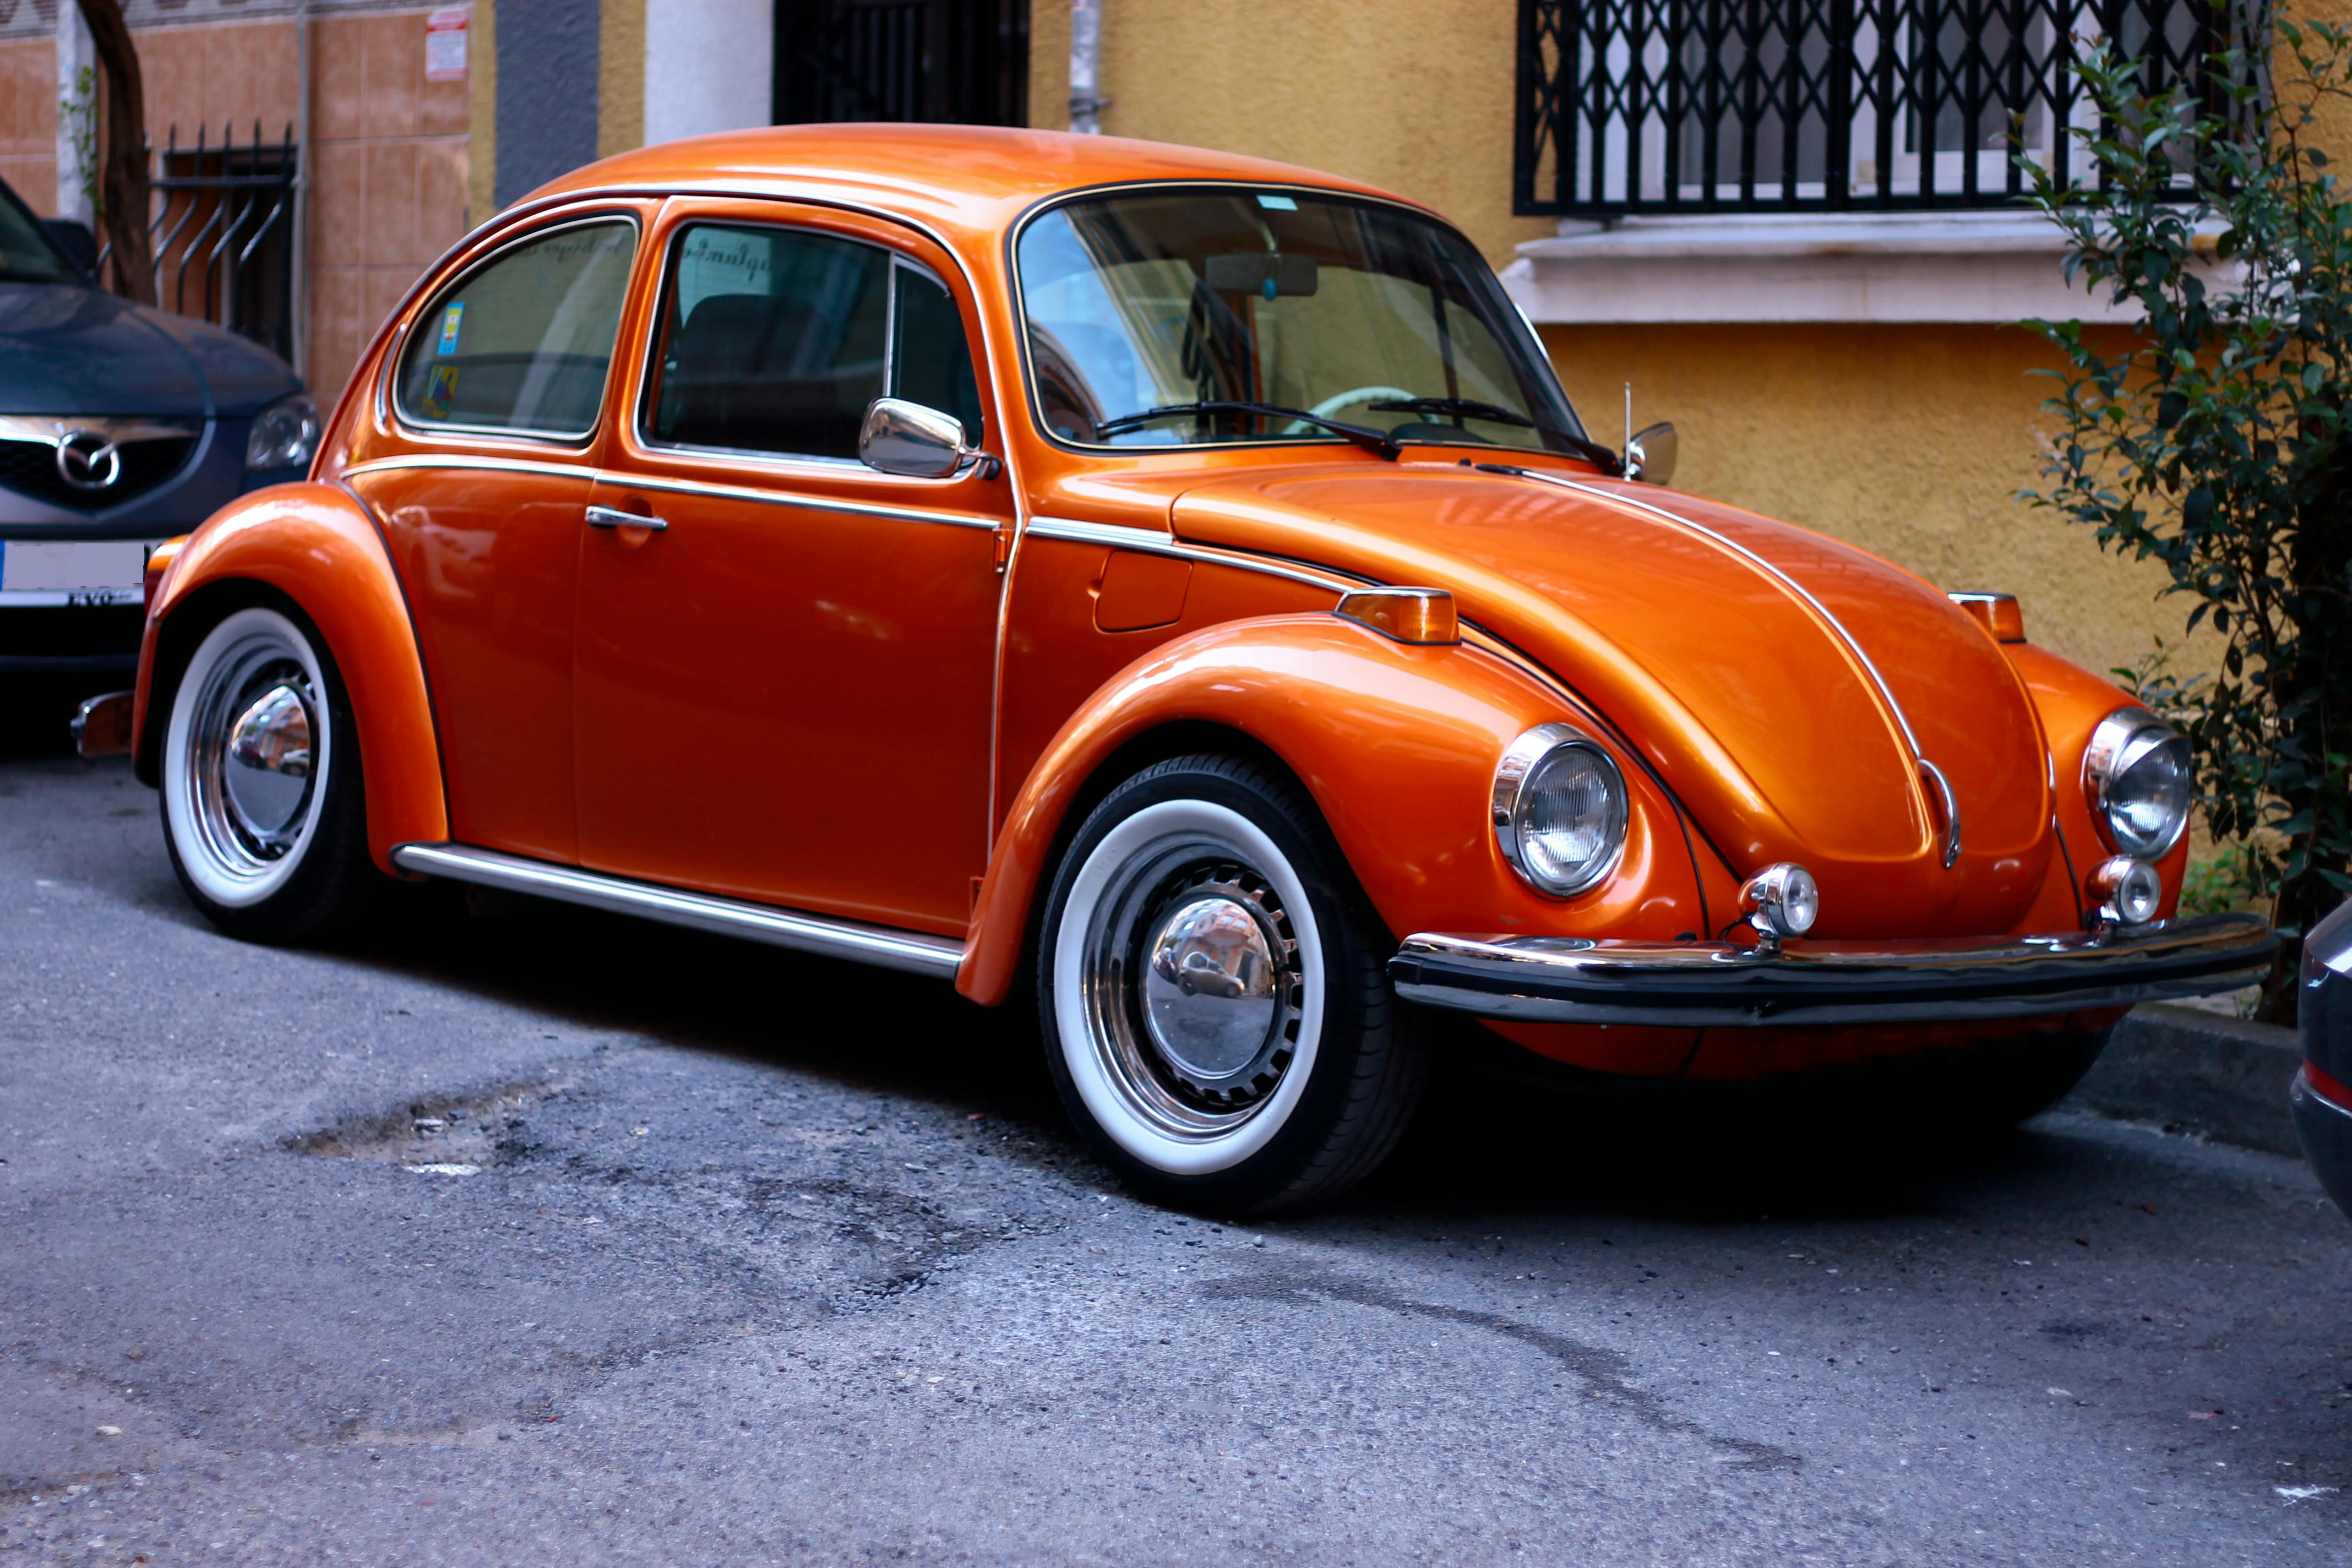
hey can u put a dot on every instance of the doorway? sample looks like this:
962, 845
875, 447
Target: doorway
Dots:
944, 61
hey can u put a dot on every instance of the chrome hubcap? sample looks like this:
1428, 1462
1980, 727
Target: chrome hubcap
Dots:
1209, 996
1193, 986
268, 771
252, 758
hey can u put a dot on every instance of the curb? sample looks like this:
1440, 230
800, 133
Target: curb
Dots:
2202, 1072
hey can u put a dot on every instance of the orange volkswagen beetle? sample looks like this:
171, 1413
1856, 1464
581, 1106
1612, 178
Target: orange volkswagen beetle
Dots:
1170, 585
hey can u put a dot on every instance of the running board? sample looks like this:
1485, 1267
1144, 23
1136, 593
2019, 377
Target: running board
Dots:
879, 946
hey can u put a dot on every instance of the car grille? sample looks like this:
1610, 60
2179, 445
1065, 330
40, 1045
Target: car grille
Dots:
30, 468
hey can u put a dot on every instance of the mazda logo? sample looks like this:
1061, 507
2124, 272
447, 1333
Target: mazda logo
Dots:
88, 460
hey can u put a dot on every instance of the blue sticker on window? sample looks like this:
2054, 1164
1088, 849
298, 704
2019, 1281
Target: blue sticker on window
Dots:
449, 320
1277, 204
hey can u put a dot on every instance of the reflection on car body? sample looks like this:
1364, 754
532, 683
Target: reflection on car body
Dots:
1167, 585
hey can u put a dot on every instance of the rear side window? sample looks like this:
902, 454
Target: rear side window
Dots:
776, 340
524, 343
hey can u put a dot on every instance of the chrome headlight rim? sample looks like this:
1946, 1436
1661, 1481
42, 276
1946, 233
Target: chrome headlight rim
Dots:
1521, 762
284, 434
2123, 740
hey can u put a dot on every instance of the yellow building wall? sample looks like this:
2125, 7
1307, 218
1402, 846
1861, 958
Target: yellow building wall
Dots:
1414, 96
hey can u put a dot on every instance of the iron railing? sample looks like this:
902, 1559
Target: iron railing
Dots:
1691, 106
222, 230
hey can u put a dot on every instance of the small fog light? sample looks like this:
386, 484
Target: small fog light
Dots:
1782, 898
2126, 890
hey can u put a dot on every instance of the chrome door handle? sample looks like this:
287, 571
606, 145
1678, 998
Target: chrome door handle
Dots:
609, 517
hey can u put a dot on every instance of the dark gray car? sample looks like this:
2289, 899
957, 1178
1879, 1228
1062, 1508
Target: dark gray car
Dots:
121, 425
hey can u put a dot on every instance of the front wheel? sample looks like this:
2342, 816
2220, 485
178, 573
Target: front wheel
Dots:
262, 807
1212, 987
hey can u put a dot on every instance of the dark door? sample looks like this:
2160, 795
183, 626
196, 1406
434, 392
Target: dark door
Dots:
947, 61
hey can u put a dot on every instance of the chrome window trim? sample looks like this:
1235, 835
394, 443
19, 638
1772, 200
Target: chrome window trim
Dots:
1117, 536
1532, 345
637, 425
883, 946
1951, 846
572, 439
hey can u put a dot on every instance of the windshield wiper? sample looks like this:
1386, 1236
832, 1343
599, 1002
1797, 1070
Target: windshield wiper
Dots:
1495, 414
1453, 408
1371, 441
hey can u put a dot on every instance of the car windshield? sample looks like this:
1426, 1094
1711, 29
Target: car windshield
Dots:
1154, 317
26, 254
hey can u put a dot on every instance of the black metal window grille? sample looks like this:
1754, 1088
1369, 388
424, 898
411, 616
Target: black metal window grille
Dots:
1689, 106
953, 61
222, 230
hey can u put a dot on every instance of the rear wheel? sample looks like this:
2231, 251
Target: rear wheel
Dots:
262, 806
1213, 993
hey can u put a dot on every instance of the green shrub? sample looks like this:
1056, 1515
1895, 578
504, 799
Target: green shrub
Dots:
2216, 441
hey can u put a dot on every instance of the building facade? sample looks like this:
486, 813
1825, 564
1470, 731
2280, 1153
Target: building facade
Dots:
1757, 232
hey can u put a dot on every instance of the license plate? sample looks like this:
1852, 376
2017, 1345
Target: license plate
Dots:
72, 572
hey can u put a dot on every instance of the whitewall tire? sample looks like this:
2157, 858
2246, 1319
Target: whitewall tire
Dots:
1212, 990
261, 780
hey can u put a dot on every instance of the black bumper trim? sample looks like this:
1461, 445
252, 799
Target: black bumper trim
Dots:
1713, 984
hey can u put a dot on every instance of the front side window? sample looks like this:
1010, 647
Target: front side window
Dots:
1150, 315
776, 339
524, 342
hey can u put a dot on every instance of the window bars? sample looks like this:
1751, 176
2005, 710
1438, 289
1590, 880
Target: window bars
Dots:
1697, 106
223, 233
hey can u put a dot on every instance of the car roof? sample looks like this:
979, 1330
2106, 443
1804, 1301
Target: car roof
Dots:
969, 180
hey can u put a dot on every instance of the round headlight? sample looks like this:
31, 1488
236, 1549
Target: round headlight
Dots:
2137, 772
1783, 897
2126, 890
1560, 810
285, 435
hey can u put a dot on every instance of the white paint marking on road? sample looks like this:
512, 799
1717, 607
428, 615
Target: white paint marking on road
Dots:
443, 1169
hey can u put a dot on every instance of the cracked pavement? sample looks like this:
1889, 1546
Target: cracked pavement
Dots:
519, 1232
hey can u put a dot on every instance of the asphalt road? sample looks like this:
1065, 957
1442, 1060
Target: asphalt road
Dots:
732, 1258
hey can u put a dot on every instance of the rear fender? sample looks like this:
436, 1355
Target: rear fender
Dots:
317, 546
1397, 744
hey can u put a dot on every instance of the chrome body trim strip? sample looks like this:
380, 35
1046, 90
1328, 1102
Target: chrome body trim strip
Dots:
484, 462
1573, 980
1152, 542
910, 951
631, 481
665, 486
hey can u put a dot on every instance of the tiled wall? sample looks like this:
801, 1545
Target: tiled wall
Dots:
387, 159
28, 120
390, 179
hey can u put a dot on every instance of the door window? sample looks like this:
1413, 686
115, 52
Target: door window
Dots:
524, 342
777, 340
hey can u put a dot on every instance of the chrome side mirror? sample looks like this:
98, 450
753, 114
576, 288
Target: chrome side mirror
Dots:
1650, 455
911, 441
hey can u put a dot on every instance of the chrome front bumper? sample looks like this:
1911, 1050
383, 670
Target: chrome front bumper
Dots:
1570, 980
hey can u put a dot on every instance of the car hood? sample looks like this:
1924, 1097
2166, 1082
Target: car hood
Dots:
68, 350
1685, 624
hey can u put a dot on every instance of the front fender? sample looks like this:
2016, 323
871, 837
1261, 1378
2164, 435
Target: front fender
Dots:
2069, 701
316, 544
1396, 743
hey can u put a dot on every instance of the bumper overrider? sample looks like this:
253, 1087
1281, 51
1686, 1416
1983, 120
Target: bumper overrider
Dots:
1572, 980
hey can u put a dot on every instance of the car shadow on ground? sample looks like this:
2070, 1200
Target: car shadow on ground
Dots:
1480, 1144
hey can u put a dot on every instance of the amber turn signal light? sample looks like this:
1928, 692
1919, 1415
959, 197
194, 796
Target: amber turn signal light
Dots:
1408, 614
1997, 613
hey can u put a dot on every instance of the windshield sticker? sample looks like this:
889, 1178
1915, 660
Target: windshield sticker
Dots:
1278, 203
440, 387
449, 320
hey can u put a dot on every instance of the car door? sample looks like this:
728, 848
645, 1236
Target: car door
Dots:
783, 673
497, 398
